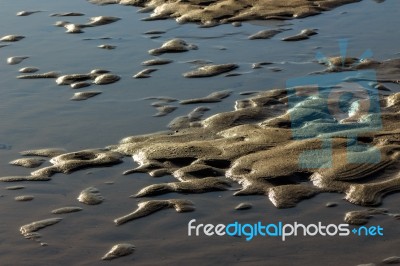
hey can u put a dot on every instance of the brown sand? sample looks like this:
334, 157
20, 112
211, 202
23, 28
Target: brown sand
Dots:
254, 147
216, 12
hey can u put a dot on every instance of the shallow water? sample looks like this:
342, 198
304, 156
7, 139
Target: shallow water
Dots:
38, 113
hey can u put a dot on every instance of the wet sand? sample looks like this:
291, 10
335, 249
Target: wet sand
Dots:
37, 114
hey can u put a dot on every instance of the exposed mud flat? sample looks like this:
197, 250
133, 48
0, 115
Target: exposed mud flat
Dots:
260, 148
210, 13
253, 146
210, 156
263, 146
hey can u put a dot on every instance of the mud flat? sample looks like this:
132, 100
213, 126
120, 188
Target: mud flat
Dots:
210, 13
245, 148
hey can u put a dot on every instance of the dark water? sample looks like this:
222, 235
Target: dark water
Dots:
38, 113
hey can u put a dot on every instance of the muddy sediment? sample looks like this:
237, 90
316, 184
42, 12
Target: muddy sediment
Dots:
211, 13
285, 144
265, 146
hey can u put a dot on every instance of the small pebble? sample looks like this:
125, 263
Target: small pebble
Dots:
11, 38
158, 61
91, 196
102, 20
264, 34
29, 70
173, 46
67, 14
243, 206
303, 35
47, 75
79, 85
73, 28
99, 71
119, 250
61, 23
144, 73
259, 65
391, 260
154, 32
210, 70
24, 198
331, 204
81, 96
16, 60
64, 210
275, 69
15, 187
72, 78
26, 13
106, 79
107, 46
236, 24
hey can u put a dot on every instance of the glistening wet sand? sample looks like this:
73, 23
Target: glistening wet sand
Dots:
38, 114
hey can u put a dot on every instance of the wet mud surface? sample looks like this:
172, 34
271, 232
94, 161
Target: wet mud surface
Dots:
214, 129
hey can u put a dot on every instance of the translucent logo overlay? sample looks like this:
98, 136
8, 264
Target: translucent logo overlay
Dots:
321, 105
